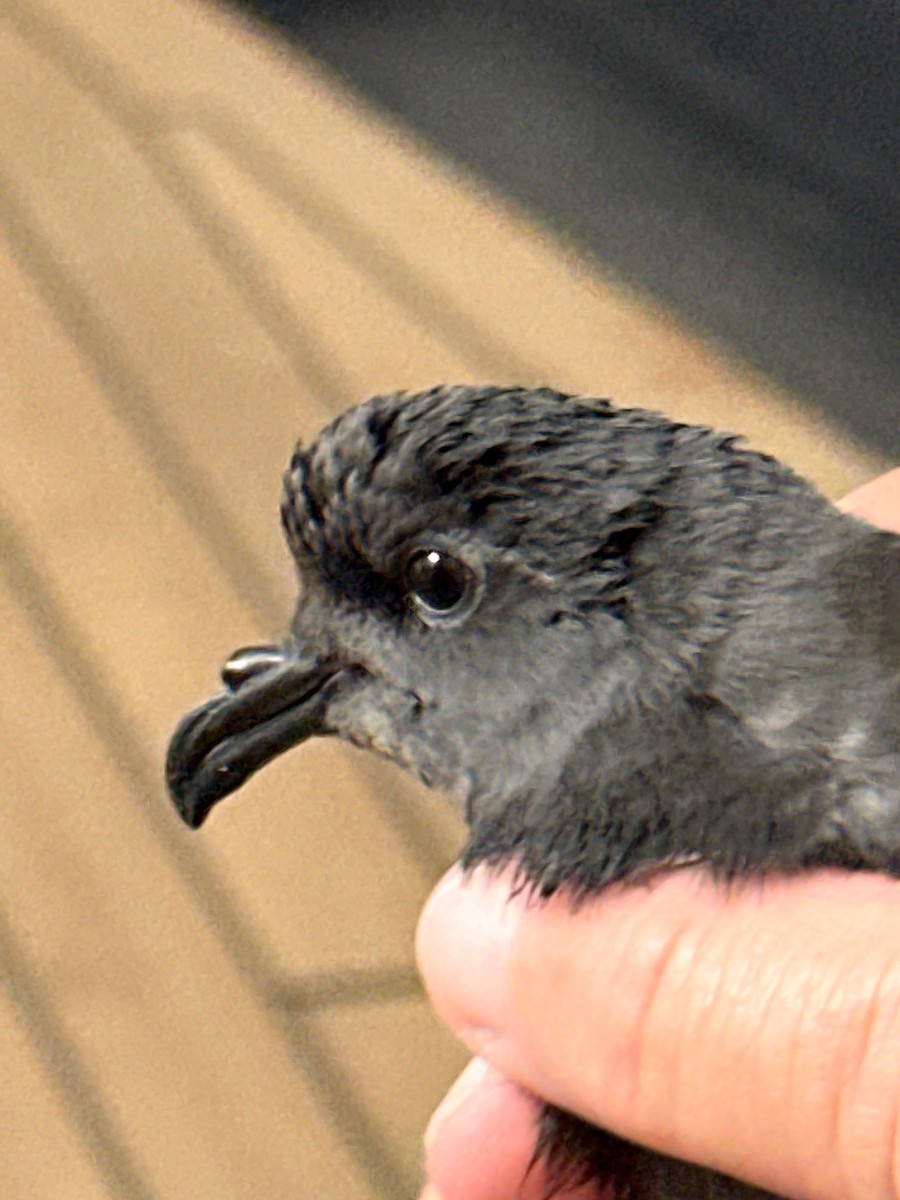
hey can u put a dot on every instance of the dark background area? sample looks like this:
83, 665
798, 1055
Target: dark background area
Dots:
737, 162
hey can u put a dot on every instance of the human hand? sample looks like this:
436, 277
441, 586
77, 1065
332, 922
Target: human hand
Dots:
756, 1031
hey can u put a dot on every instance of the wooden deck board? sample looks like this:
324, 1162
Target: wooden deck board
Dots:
42, 1153
207, 246
148, 601
186, 1057
396, 1060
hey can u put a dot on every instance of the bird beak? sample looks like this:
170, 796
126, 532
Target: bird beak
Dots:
275, 698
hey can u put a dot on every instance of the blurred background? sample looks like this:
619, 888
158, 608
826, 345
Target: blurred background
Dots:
218, 227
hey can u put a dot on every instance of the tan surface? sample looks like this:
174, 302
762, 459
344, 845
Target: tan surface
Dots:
206, 248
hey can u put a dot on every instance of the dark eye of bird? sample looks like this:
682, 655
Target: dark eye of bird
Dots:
437, 583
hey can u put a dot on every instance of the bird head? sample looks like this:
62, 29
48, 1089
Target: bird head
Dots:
482, 581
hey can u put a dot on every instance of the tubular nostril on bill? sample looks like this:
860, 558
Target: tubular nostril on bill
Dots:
250, 661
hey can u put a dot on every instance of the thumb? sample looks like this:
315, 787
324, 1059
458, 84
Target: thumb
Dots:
755, 1029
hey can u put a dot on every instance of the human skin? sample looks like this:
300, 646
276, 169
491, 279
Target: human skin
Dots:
634, 1012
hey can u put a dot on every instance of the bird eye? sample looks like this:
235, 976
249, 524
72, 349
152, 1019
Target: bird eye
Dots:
438, 584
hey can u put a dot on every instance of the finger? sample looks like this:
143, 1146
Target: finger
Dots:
878, 501
755, 1029
480, 1142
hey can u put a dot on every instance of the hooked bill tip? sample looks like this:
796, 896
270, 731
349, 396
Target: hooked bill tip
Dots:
276, 702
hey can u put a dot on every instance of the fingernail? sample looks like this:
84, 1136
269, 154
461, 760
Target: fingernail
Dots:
464, 945
473, 1077
430, 1193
